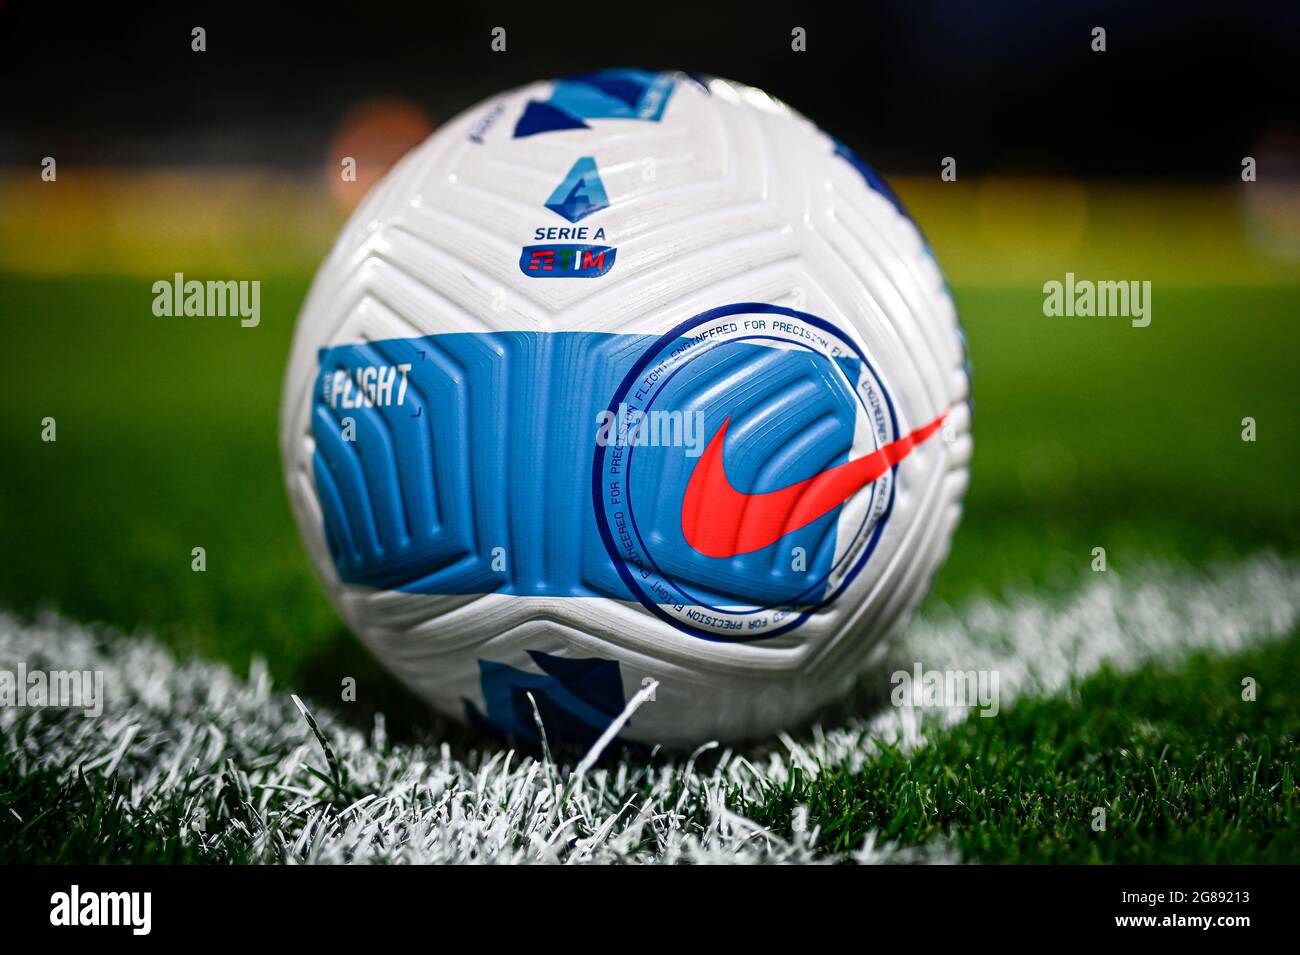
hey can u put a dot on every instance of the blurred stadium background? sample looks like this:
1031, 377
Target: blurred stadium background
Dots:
228, 159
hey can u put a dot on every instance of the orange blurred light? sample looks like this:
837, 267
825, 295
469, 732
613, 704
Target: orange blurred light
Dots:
373, 135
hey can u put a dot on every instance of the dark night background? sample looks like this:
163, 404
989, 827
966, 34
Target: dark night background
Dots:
1183, 91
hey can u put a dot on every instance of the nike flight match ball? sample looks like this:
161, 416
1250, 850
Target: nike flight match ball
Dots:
628, 383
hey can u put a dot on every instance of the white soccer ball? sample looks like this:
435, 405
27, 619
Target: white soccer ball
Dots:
620, 380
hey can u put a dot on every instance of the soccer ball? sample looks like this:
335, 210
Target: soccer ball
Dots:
625, 385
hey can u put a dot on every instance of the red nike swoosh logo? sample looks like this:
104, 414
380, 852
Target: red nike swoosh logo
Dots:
719, 521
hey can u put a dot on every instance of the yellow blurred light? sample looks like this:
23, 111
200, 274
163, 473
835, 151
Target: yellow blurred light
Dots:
1030, 220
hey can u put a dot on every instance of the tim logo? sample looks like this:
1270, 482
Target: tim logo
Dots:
566, 261
580, 194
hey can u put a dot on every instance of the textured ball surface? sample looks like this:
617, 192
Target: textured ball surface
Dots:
620, 378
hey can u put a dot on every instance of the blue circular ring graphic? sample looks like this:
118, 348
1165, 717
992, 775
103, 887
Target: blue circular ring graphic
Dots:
620, 565
632, 517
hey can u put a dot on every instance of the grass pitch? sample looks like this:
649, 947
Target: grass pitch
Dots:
1089, 433
191, 763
